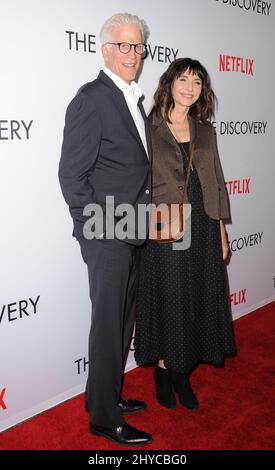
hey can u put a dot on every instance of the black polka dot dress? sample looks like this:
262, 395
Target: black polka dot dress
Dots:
182, 304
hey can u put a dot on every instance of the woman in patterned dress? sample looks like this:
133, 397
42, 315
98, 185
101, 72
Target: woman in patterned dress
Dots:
183, 315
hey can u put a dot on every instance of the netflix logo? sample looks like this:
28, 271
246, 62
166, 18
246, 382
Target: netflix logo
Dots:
231, 63
3, 405
235, 187
238, 298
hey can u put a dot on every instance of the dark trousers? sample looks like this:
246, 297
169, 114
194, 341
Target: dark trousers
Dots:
113, 274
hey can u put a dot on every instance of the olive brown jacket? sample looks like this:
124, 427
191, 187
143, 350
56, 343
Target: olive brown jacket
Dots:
167, 166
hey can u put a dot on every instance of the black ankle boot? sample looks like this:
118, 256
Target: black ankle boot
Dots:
164, 387
183, 388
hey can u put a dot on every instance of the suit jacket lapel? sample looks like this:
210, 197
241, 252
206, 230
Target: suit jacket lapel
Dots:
164, 131
193, 129
193, 135
122, 105
147, 131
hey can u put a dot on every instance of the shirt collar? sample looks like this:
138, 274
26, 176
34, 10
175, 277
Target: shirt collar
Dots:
122, 85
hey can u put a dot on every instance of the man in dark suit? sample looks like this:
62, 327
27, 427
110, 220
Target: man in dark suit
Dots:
106, 152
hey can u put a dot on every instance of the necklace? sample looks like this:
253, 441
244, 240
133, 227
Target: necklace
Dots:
180, 144
189, 167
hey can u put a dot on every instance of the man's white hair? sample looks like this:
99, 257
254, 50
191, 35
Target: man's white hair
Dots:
122, 19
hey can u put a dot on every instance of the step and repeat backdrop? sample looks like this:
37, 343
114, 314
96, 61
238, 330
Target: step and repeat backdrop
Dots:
49, 49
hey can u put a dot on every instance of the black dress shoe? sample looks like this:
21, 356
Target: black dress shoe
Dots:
131, 406
126, 406
125, 434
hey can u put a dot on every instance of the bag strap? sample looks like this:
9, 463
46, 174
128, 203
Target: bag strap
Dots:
188, 171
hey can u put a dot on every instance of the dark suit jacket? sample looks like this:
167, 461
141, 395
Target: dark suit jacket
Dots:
167, 167
102, 152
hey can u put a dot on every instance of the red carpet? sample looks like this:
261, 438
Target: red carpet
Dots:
237, 404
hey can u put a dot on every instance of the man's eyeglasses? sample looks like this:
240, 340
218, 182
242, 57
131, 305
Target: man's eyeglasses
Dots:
125, 47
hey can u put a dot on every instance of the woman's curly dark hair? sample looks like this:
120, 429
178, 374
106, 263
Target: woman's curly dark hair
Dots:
204, 107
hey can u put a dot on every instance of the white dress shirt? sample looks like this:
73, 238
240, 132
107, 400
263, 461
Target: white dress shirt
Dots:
131, 93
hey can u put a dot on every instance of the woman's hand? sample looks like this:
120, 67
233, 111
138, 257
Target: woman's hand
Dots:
224, 239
